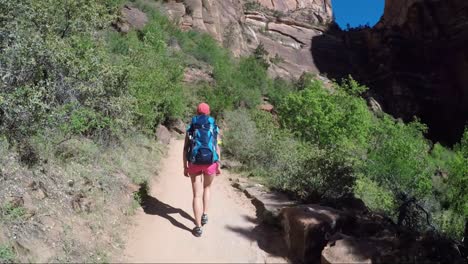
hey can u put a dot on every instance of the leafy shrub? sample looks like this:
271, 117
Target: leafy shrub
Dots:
155, 73
238, 83
9, 212
398, 159
51, 56
336, 120
454, 196
7, 255
288, 164
376, 197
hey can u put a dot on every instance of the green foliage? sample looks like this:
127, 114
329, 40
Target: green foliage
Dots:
329, 143
237, 82
155, 75
336, 120
7, 255
288, 164
10, 212
458, 179
279, 89
252, 6
64, 77
85, 121
260, 54
450, 222
376, 197
51, 56
454, 194
398, 158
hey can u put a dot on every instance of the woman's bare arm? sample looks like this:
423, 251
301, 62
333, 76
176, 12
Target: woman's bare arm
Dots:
186, 145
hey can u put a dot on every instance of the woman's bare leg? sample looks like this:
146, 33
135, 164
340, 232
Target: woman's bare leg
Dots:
208, 179
197, 188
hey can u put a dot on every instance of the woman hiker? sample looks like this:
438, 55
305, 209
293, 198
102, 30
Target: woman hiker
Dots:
201, 162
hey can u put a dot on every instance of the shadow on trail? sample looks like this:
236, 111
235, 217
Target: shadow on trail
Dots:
153, 206
268, 238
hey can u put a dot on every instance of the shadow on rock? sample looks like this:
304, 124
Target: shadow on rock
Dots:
268, 238
153, 206
409, 72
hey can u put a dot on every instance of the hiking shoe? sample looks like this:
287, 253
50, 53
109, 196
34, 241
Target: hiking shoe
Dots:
204, 219
197, 231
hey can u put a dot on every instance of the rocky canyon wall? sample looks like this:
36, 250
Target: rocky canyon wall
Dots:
415, 60
284, 27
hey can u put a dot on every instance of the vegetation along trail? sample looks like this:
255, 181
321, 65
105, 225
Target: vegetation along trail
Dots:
162, 230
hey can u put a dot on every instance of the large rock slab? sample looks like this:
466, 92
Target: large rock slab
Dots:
285, 27
177, 126
346, 249
268, 204
130, 18
308, 227
163, 135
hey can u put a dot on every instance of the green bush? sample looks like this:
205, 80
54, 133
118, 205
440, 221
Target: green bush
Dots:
237, 82
51, 56
303, 169
9, 212
155, 73
398, 158
336, 120
376, 197
7, 255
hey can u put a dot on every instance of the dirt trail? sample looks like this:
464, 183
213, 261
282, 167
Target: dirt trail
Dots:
162, 231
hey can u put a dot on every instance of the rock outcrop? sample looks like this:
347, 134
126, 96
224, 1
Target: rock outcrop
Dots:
285, 28
130, 18
307, 228
415, 60
163, 135
344, 232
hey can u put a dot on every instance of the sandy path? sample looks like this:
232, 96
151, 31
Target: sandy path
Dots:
162, 231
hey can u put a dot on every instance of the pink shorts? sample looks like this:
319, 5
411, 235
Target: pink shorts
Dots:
206, 169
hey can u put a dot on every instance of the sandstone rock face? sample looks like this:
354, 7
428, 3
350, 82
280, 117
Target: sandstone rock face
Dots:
307, 228
130, 18
415, 61
163, 135
348, 250
423, 53
195, 75
284, 27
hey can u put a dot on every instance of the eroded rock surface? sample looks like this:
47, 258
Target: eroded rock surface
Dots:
130, 18
415, 60
307, 228
284, 27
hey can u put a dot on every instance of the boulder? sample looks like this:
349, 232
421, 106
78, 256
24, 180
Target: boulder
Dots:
268, 203
285, 27
194, 75
345, 249
177, 126
130, 18
308, 227
374, 105
267, 107
230, 164
163, 135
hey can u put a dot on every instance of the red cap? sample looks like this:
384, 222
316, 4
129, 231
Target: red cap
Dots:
203, 109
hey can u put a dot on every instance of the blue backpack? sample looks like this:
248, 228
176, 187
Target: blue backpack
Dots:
203, 134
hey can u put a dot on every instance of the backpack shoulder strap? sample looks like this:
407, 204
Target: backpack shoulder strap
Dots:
190, 127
